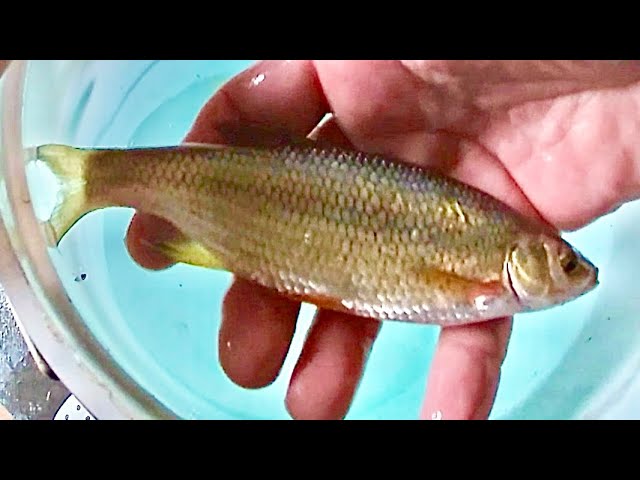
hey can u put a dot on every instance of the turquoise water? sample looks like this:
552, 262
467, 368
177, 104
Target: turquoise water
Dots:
162, 326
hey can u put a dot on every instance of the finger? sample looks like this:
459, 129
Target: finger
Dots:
495, 84
392, 105
466, 370
144, 232
256, 333
330, 366
271, 102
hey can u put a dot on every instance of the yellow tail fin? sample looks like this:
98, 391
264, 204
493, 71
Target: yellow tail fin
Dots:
69, 165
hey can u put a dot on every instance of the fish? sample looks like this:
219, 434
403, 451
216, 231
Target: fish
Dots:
340, 229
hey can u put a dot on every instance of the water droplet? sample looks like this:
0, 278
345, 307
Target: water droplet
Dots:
228, 344
307, 237
258, 79
437, 415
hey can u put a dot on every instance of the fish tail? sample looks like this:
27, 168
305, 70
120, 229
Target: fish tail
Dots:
69, 165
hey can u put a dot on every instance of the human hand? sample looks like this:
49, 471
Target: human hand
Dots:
555, 140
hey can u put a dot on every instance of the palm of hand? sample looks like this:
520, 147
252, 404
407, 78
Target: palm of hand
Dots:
552, 139
556, 137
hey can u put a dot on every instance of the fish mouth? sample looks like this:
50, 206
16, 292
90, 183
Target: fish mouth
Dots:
593, 280
556, 296
595, 274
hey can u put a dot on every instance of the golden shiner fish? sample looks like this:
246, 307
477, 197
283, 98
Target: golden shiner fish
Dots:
343, 230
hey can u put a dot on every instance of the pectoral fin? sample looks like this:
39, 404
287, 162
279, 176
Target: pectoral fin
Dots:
187, 251
461, 287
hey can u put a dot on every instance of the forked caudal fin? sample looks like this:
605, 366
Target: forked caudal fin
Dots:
68, 164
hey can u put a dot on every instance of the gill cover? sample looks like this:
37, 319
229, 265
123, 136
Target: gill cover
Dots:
528, 268
545, 271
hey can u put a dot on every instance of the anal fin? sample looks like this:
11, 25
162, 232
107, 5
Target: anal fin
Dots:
184, 250
461, 287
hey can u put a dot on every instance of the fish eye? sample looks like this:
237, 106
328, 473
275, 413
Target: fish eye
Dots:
569, 263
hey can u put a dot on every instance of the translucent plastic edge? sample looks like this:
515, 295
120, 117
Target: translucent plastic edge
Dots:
44, 312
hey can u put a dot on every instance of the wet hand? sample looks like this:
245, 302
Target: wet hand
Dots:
555, 140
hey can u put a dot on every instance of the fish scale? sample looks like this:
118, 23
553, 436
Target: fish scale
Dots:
235, 173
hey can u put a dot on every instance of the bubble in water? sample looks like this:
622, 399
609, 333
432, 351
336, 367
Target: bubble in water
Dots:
437, 415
